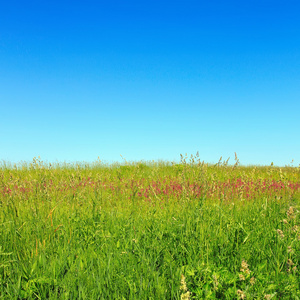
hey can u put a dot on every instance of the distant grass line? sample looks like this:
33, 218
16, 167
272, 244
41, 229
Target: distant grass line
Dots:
155, 230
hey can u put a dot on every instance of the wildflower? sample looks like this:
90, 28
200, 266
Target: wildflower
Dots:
267, 297
285, 221
290, 249
280, 232
241, 294
252, 280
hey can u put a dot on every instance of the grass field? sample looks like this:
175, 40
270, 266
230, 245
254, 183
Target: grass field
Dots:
149, 231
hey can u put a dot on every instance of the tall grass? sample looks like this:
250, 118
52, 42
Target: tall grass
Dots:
149, 231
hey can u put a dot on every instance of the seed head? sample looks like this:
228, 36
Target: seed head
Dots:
290, 262
252, 280
244, 265
185, 296
280, 232
216, 283
247, 272
242, 277
183, 286
290, 212
241, 294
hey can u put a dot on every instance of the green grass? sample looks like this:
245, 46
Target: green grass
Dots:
149, 231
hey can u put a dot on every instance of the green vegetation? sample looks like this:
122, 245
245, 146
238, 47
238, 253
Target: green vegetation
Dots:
149, 231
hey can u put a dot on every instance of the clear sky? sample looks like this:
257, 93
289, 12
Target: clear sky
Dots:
150, 80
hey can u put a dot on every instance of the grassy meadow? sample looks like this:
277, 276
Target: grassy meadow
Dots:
156, 230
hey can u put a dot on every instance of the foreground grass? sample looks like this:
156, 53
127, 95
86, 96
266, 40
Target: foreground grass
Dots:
187, 231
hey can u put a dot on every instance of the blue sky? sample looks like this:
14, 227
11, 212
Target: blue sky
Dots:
150, 80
